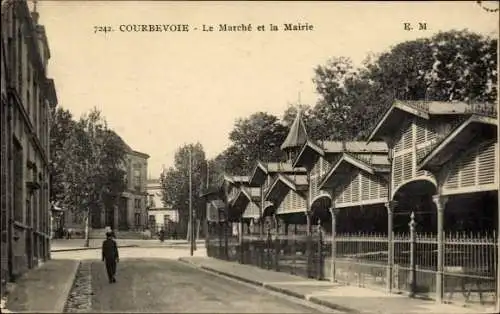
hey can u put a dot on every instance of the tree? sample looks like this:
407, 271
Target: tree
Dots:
88, 164
257, 137
454, 65
61, 129
175, 183
336, 111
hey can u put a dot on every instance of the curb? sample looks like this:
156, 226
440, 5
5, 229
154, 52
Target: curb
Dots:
250, 281
59, 308
87, 248
269, 286
332, 305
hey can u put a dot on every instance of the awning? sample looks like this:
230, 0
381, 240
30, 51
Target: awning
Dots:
474, 127
343, 169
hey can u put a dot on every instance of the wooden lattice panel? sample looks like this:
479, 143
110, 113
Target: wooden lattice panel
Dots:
486, 164
325, 167
315, 171
397, 170
315, 186
407, 166
399, 141
382, 189
301, 202
408, 137
294, 201
252, 210
475, 168
468, 171
355, 188
365, 186
421, 131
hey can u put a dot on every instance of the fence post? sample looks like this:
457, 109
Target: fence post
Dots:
320, 252
277, 244
226, 241
240, 233
334, 246
440, 202
268, 245
308, 244
221, 238
413, 267
390, 241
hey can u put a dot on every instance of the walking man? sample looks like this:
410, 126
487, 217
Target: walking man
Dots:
110, 256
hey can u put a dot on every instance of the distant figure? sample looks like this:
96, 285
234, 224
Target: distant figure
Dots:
70, 232
162, 235
110, 256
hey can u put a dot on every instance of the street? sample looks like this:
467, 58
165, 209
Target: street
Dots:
157, 282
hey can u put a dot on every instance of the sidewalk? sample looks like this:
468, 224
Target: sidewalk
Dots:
43, 289
59, 245
340, 297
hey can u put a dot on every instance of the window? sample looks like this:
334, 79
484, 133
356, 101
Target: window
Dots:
152, 220
137, 219
137, 178
137, 203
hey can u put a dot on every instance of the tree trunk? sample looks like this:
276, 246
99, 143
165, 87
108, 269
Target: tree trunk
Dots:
87, 229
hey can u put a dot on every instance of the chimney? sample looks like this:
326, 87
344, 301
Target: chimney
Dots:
34, 15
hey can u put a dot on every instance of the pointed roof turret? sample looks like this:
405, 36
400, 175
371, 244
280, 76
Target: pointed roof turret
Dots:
297, 135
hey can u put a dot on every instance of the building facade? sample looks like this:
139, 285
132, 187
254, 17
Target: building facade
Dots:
27, 98
130, 210
160, 215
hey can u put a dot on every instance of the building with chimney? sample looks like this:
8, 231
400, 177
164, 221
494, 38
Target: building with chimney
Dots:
28, 95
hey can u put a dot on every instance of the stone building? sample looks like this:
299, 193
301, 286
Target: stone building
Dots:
130, 211
27, 98
160, 215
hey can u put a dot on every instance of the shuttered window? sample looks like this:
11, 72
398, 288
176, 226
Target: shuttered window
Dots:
476, 167
420, 131
408, 137
486, 171
355, 188
398, 170
365, 187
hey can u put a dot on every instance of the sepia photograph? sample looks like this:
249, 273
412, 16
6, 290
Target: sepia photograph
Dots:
250, 156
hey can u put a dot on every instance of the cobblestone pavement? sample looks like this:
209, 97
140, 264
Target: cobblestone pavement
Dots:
80, 296
163, 285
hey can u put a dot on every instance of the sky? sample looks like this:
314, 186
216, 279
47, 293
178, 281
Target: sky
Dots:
161, 90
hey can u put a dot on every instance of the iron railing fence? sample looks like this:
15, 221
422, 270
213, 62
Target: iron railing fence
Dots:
361, 259
470, 267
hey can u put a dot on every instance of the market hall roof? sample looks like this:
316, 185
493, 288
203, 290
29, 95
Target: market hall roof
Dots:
458, 140
310, 149
297, 135
262, 169
343, 167
425, 109
283, 183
